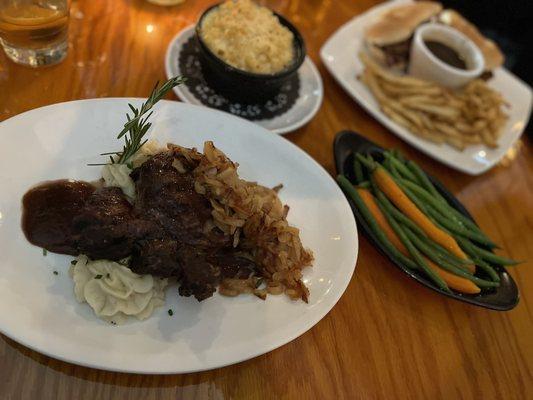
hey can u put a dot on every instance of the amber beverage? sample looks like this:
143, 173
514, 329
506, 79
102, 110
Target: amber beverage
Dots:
34, 32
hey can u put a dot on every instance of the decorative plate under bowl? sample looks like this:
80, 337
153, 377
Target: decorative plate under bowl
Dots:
294, 106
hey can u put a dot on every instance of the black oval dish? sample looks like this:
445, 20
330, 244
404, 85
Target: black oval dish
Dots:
502, 298
240, 85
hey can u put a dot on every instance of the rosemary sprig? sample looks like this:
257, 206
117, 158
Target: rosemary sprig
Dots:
137, 125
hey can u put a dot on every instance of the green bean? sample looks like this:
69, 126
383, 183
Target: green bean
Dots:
368, 164
434, 255
424, 180
425, 196
402, 169
393, 170
367, 215
468, 223
478, 261
489, 269
459, 262
447, 266
451, 258
364, 185
475, 259
456, 228
397, 214
447, 209
386, 164
358, 170
398, 154
484, 254
464, 219
427, 185
371, 160
481, 263
413, 251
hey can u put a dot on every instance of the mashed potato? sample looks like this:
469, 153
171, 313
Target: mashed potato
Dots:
114, 292
248, 37
118, 175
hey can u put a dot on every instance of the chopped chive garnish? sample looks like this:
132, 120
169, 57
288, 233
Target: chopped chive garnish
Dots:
56, 273
74, 262
45, 252
107, 275
98, 276
170, 312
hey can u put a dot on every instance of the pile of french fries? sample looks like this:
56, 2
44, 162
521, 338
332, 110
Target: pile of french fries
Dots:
469, 116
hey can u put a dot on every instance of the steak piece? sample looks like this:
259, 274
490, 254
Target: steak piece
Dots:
48, 211
105, 226
233, 265
157, 257
200, 277
203, 272
167, 197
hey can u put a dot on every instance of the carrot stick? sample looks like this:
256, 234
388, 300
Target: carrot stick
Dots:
400, 199
455, 282
382, 221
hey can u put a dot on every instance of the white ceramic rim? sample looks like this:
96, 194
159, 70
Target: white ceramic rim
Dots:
280, 131
478, 60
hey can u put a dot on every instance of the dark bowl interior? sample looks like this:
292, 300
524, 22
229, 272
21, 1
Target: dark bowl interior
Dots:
503, 298
237, 84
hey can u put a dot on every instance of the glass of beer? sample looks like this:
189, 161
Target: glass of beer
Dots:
34, 32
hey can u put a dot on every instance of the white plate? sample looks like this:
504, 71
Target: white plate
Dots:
38, 308
305, 108
340, 55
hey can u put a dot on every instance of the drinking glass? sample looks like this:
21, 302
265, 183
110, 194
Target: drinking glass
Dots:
34, 32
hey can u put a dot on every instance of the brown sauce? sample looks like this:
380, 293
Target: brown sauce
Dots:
446, 54
48, 210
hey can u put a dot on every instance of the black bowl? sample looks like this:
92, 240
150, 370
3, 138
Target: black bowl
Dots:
502, 298
240, 85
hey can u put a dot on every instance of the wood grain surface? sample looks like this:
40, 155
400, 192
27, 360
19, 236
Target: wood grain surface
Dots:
388, 337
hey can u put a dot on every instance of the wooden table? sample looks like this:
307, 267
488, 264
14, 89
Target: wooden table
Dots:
388, 337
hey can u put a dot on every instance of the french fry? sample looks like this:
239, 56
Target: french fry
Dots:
469, 116
390, 77
473, 139
433, 136
428, 123
448, 130
398, 118
480, 124
488, 139
374, 87
414, 117
459, 144
440, 111
464, 127
397, 90
422, 98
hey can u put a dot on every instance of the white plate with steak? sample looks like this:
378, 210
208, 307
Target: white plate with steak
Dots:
38, 307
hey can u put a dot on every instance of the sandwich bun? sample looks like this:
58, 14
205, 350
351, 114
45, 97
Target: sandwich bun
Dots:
399, 23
